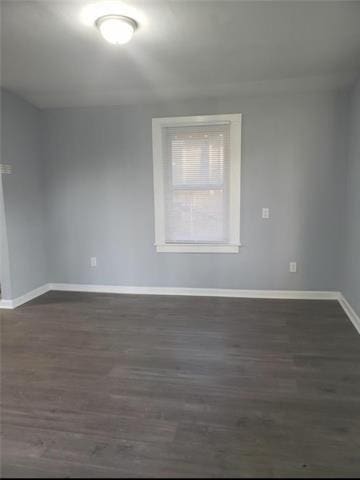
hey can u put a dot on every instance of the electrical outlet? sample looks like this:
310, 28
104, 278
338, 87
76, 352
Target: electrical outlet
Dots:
5, 168
93, 262
266, 213
292, 267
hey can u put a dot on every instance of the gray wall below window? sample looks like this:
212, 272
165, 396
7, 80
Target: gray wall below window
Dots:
351, 247
100, 195
23, 265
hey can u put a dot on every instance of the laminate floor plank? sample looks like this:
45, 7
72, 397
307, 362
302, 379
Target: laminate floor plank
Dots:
99, 385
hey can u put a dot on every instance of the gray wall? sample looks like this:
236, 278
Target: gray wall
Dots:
100, 195
351, 271
5, 281
23, 193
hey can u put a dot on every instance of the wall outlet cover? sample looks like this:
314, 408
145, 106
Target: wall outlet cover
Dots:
292, 267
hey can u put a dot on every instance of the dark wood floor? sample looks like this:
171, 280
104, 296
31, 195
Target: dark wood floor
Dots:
100, 385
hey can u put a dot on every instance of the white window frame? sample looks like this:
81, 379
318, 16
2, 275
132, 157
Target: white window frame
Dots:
158, 124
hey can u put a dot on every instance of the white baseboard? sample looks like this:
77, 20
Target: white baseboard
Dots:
6, 304
350, 312
200, 292
16, 302
208, 292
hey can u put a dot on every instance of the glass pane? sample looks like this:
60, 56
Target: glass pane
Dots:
196, 216
197, 156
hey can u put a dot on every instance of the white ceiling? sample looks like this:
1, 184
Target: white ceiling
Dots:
182, 49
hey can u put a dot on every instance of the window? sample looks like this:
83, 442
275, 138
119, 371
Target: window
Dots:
197, 183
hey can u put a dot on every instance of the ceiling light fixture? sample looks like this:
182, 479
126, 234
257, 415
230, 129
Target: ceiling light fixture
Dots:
116, 29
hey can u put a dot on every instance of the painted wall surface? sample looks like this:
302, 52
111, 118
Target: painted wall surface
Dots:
351, 271
5, 280
100, 195
23, 193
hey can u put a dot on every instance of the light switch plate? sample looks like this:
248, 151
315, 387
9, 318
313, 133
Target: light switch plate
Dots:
265, 212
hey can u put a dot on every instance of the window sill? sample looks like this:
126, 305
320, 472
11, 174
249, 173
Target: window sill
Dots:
200, 248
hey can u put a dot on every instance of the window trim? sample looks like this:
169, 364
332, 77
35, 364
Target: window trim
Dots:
235, 182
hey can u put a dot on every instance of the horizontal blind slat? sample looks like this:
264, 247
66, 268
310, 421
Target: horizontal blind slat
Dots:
196, 183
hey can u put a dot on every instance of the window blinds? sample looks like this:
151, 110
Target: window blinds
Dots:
197, 163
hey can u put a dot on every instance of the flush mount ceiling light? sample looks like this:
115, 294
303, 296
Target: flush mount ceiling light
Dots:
115, 20
116, 29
